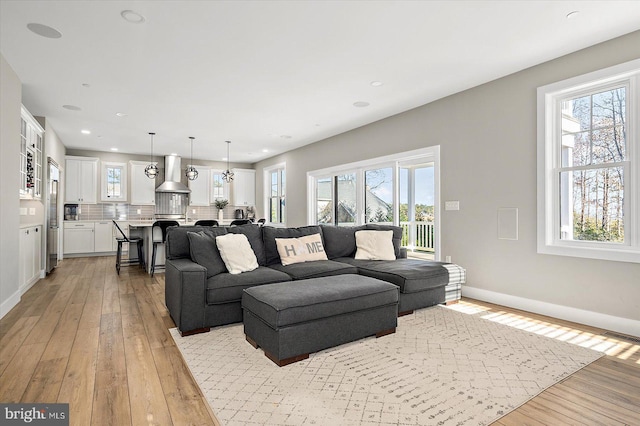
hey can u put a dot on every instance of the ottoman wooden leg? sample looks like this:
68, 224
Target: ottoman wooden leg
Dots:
251, 341
286, 361
385, 332
401, 314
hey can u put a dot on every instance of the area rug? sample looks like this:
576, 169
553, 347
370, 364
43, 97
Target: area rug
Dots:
441, 367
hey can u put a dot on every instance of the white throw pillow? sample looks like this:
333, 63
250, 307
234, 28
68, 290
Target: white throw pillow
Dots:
375, 245
236, 253
302, 249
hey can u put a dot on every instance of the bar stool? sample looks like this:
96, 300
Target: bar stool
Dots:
139, 242
163, 225
206, 222
237, 222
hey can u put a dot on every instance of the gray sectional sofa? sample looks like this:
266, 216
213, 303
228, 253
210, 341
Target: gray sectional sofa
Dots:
200, 293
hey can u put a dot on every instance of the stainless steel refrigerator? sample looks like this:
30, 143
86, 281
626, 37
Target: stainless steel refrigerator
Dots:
53, 220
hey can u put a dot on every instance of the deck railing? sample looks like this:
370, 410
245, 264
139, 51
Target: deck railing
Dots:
424, 235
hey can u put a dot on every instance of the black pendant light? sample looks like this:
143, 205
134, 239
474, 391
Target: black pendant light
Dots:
190, 172
227, 175
151, 170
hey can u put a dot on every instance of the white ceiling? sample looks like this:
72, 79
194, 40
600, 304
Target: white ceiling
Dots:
253, 72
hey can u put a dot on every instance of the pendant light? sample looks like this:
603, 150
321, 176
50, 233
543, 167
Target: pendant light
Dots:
151, 170
191, 173
227, 175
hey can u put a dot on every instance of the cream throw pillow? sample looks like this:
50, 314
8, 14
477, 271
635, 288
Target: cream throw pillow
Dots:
236, 253
375, 245
302, 249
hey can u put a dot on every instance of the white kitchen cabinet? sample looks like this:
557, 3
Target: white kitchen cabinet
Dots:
143, 189
31, 140
30, 256
79, 237
103, 236
200, 188
81, 180
243, 187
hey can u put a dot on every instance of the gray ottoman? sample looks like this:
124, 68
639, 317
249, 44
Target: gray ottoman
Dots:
292, 319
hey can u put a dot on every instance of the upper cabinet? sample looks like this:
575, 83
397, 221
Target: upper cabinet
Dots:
113, 179
200, 188
143, 189
31, 143
243, 187
81, 180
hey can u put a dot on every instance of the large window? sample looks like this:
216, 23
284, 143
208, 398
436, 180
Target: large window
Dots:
401, 190
588, 165
114, 182
276, 183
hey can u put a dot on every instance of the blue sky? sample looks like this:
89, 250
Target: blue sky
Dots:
424, 185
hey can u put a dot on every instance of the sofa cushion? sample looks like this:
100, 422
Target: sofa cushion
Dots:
204, 250
225, 288
236, 252
304, 249
319, 268
254, 235
411, 275
269, 235
340, 241
285, 304
374, 245
177, 245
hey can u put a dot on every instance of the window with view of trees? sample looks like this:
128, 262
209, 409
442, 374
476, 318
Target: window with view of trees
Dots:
589, 194
594, 129
277, 185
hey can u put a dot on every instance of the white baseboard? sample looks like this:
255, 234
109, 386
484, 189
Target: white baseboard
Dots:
581, 316
8, 304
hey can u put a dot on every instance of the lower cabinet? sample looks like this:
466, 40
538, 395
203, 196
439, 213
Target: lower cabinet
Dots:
30, 256
91, 237
79, 238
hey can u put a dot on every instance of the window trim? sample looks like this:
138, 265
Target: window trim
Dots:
548, 165
124, 181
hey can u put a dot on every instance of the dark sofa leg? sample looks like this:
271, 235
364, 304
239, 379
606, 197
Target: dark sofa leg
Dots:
251, 341
286, 361
401, 314
195, 331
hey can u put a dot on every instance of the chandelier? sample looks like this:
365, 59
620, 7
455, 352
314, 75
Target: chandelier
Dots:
151, 170
191, 173
227, 175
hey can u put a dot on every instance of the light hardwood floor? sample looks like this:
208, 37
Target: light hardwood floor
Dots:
100, 342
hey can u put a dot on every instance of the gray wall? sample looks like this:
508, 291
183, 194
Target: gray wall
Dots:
487, 136
10, 101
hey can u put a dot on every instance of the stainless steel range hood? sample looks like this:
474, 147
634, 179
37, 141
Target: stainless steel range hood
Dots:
172, 175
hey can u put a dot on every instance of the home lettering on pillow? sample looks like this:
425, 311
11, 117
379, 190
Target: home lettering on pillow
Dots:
304, 249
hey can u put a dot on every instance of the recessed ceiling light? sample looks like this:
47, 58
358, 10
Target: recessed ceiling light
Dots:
44, 30
265, 150
121, 114
72, 107
131, 16
360, 104
85, 132
573, 14
376, 83
174, 153
114, 149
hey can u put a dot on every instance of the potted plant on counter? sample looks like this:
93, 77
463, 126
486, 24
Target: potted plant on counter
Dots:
221, 204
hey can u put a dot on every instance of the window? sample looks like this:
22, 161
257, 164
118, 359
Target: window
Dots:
276, 182
400, 189
219, 188
588, 165
114, 181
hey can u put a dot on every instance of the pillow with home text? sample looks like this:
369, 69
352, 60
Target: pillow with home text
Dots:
302, 249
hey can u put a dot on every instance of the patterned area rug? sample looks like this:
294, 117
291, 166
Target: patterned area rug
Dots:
441, 367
